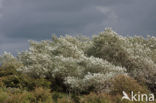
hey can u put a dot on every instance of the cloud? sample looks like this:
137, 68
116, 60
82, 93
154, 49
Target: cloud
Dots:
21, 20
37, 19
12, 45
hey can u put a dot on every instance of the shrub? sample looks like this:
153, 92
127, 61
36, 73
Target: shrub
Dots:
39, 95
125, 83
24, 97
11, 77
65, 100
63, 59
78, 65
24, 82
109, 46
136, 54
42, 95
56, 96
96, 98
3, 96
9, 61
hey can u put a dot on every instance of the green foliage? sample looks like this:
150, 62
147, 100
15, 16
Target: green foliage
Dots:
42, 95
64, 59
125, 83
10, 77
136, 54
3, 96
106, 63
109, 46
96, 98
56, 96
9, 61
39, 95
24, 82
75, 98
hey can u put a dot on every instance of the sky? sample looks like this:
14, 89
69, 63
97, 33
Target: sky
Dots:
23, 20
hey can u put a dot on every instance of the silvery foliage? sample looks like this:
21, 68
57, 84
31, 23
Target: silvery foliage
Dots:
67, 57
8, 60
6, 57
142, 56
137, 54
64, 57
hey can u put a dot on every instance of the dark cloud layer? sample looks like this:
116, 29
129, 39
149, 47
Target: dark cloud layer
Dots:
21, 20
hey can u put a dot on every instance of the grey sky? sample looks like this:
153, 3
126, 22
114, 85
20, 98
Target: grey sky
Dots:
21, 20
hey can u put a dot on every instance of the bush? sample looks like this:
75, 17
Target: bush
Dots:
9, 77
96, 98
63, 59
24, 97
42, 95
80, 66
65, 100
125, 83
9, 61
24, 82
3, 96
109, 46
39, 95
136, 54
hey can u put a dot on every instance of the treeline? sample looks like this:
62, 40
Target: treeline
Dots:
78, 69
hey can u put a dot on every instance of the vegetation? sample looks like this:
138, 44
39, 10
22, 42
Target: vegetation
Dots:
70, 69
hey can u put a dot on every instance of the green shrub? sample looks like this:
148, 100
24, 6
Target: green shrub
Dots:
136, 54
109, 46
8, 61
65, 100
125, 83
3, 96
39, 95
42, 95
56, 96
24, 97
10, 77
96, 98
77, 65
24, 82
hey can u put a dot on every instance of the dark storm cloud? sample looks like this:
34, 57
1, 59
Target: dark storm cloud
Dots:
21, 20
38, 18
137, 18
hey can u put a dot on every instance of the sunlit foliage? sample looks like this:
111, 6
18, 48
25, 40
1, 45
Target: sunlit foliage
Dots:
82, 65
